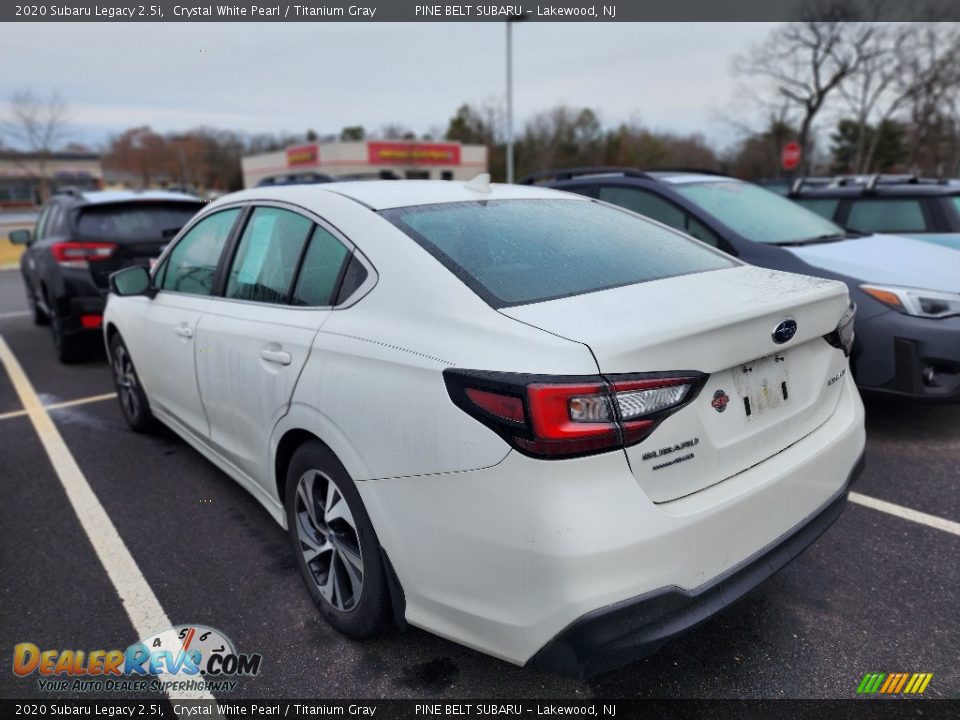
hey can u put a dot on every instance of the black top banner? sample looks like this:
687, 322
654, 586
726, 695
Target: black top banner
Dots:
426, 11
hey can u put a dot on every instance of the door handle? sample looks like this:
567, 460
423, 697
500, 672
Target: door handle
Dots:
274, 355
183, 331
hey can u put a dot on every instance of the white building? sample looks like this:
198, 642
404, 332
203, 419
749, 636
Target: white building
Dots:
410, 159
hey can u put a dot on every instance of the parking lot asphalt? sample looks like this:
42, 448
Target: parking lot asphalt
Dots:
877, 593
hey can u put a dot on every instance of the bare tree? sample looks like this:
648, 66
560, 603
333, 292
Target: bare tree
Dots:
928, 81
906, 69
869, 90
805, 63
37, 125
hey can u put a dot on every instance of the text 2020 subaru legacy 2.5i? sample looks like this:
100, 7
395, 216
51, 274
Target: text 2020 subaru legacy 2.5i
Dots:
526, 421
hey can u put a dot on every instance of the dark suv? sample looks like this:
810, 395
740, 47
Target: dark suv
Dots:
924, 209
82, 237
907, 292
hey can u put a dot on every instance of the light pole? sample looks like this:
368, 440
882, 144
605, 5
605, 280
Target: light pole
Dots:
510, 21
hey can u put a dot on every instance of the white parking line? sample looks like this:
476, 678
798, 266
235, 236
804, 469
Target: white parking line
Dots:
57, 406
138, 598
916, 516
19, 313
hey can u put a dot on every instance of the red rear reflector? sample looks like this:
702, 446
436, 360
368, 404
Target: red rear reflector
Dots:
91, 321
505, 406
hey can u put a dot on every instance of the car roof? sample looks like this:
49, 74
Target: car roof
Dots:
385, 194
677, 177
103, 197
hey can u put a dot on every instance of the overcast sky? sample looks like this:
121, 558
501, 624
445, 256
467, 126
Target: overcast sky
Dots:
290, 77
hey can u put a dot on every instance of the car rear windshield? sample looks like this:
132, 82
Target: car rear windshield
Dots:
514, 252
135, 221
757, 214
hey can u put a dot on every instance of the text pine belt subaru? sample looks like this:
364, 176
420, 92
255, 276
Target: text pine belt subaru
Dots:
532, 423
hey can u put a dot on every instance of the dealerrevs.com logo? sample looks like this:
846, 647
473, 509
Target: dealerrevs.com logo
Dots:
184, 658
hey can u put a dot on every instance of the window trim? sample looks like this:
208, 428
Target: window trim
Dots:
226, 257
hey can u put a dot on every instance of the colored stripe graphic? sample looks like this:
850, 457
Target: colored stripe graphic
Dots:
894, 683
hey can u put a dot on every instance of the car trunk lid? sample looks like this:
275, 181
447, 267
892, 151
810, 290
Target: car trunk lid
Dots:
761, 396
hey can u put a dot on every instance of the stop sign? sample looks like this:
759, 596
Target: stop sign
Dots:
790, 155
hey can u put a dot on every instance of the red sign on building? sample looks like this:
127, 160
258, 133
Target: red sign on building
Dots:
413, 153
302, 155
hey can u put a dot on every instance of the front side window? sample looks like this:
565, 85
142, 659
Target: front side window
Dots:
513, 252
267, 256
757, 214
192, 263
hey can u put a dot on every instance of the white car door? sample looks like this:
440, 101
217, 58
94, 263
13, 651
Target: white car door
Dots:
254, 341
163, 339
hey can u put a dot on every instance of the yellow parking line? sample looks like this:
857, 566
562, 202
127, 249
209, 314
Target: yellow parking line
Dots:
144, 610
57, 406
81, 401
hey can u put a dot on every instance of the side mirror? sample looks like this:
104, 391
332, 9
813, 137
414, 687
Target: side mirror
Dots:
133, 280
21, 237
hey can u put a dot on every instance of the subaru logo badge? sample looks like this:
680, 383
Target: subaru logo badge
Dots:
785, 331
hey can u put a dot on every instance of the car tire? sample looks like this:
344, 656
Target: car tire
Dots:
133, 401
66, 347
38, 315
335, 546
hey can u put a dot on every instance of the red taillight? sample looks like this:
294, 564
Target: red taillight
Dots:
91, 321
564, 417
78, 254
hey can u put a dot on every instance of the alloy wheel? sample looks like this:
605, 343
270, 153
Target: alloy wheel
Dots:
328, 540
126, 380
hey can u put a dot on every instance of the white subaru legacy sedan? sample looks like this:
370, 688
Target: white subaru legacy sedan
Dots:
530, 422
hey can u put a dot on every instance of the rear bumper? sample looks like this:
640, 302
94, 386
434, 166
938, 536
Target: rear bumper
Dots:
909, 357
77, 308
506, 559
630, 630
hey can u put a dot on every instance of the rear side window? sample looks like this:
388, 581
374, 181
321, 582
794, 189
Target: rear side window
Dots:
655, 207
267, 257
887, 216
825, 207
513, 252
644, 203
320, 271
132, 221
192, 263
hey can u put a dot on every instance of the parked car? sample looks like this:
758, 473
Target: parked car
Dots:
532, 423
80, 238
907, 292
924, 209
301, 178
